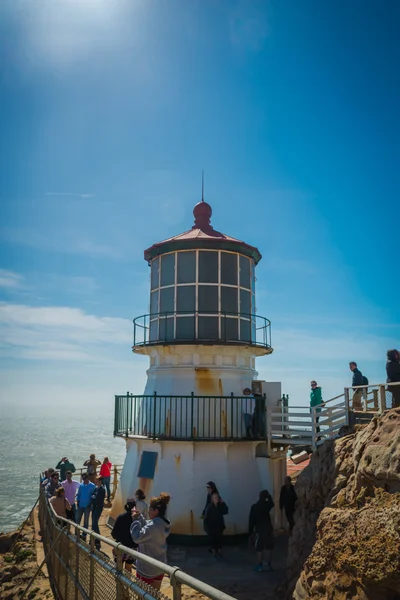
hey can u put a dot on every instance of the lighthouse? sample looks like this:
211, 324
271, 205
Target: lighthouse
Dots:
202, 415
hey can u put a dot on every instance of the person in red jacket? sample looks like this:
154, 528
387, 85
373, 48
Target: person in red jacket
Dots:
105, 473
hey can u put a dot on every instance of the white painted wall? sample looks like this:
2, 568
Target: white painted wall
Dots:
183, 469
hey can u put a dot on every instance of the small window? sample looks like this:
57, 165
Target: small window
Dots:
186, 298
154, 273
208, 267
208, 298
229, 300
168, 269
167, 300
186, 267
244, 272
229, 268
148, 464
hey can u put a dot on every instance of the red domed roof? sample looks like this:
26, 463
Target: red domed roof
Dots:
202, 235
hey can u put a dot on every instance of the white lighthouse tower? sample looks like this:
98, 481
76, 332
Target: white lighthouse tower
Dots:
197, 420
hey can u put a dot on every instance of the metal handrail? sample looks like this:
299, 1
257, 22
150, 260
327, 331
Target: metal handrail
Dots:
190, 417
143, 323
177, 577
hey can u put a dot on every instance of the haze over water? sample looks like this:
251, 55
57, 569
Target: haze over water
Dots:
34, 438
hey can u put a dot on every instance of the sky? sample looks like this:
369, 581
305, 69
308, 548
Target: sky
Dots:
109, 112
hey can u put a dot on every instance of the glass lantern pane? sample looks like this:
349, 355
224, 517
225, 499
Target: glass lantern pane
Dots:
185, 328
229, 300
208, 328
208, 267
154, 273
244, 264
229, 329
186, 267
186, 298
208, 298
154, 302
229, 268
167, 300
166, 329
245, 333
245, 306
168, 269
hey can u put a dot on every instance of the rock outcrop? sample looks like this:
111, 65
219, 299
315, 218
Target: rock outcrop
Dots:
346, 542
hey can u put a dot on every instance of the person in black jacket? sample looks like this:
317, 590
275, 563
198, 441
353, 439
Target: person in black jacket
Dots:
287, 501
98, 497
393, 375
211, 489
214, 523
121, 532
260, 523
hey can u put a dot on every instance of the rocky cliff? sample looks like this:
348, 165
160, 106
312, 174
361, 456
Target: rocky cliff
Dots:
346, 542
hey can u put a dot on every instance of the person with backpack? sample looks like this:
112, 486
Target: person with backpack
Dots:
92, 463
358, 379
393, 375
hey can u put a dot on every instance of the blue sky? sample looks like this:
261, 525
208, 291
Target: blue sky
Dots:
109, 112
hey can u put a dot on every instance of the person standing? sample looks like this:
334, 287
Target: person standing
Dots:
60, 503
121, 532
92, 463
287, 501
358, 379
214, 523
52, 485
316, 400
84, 501
393, 375
71, 487
260, 523
152, 536
141, 505
105, 473
211, 489
64, 465
98, 498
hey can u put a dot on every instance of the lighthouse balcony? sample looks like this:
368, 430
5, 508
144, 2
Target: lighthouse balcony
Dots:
205, 327
189, 418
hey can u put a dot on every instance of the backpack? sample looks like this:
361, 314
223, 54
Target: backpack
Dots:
91, 469
365, 380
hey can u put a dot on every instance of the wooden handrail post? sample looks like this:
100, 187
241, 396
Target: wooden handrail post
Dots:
347, 405
313, 428
382, 398
115, 482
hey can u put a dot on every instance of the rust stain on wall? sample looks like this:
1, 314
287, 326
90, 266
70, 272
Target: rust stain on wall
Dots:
224, 424
206, 382
177, 459
146, 485
220, 387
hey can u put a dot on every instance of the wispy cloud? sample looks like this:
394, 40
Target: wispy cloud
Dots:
72, 194
10, 280
60, 333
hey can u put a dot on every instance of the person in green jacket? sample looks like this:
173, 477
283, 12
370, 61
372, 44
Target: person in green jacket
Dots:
316, 399
64, 465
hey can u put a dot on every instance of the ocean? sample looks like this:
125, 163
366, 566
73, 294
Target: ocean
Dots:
34, 438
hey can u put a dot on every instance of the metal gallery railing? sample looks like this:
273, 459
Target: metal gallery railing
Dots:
206, 418
78, 571
186, 327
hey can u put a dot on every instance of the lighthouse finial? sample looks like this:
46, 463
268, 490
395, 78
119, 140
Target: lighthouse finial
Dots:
202, 185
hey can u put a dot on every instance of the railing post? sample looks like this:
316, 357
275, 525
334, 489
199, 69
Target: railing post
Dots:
91, 571
176, 586
155, 415
382, 398
76, 563
232, 415
66, 558
115, 482
191, 414
119, 585
347, 406
127, 414
313, 428
269, 430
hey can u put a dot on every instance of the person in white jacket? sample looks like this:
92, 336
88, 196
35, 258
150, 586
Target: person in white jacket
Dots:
151, 535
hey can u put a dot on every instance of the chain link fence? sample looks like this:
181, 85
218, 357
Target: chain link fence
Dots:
78, 571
